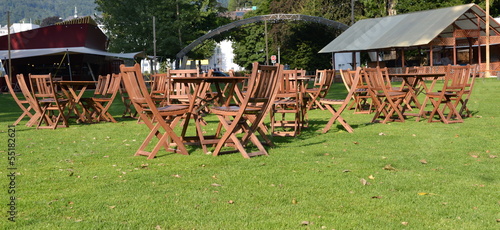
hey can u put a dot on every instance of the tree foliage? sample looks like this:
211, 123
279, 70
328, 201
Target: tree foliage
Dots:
177, 22
50, 21
36, 11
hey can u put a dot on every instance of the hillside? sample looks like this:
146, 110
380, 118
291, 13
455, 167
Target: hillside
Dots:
36, 11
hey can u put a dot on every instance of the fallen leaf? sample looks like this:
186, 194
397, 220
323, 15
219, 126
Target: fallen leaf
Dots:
371, 177
176, 175
364, 182
294, 201
112, 207
389, 167
230, 202
498, 220
158, 227
493, 156
216, 185
356, 142
376, 197
346, 170
404, 223
305, 222
423, 193
423, 161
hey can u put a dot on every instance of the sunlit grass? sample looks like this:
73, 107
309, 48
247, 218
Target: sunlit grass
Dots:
414, 175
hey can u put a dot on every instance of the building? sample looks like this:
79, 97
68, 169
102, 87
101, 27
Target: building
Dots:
73, 50
17, 27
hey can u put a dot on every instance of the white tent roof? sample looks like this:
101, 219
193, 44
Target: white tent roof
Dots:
407, 30
15, 54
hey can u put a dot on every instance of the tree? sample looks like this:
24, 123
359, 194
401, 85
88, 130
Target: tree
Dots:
178, 22
50, 21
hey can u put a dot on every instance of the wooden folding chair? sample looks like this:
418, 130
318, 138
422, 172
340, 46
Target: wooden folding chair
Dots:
287, 102
180, 92
248, 116
24, 104
322, 83
98, 106
51, 106
445, 100
21, 81
159, 88
362, 99
464, 110
161, 121
387, 99
336, 113
127, 112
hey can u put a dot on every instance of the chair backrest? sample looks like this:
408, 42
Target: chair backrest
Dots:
102, 85
180, 91
263, 86
159, 86
12, 92
21, 81
347, 78
373, 76
288, 86
329, 77
136, 87
42, 86
457, 78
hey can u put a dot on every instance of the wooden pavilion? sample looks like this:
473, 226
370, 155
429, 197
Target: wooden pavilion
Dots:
459, 31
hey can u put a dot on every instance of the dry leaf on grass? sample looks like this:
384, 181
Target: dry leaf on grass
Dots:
364, 182
423, 161
389, 167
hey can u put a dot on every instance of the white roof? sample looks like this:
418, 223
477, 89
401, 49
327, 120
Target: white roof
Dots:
407, 30
15, 54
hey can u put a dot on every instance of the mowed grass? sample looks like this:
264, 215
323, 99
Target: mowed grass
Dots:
411, 175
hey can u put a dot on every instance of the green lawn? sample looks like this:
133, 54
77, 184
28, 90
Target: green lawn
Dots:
412, 175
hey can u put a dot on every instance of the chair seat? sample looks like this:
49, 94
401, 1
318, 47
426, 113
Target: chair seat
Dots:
286, 101
438, 94
51, 100
392, 94
332, 101
228, 110
171, 108
101, 99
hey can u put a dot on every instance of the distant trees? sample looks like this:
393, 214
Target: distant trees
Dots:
50, 21
36, 11
178, 22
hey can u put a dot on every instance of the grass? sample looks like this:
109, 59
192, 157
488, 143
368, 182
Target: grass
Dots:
86, 177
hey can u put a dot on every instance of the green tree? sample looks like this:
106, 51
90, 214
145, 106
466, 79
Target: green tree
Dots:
178, 23
406, 6
50, 21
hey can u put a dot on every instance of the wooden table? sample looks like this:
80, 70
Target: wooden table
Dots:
197, 102
74, 90
414, 81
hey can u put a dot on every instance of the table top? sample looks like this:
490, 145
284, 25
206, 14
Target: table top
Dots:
417, 74
75, 82
209, 79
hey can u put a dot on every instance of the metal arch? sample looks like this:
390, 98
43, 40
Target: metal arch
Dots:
270, 17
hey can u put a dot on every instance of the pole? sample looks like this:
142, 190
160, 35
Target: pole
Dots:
487, 73
154, 44
279, 55
267, 51
8, 41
